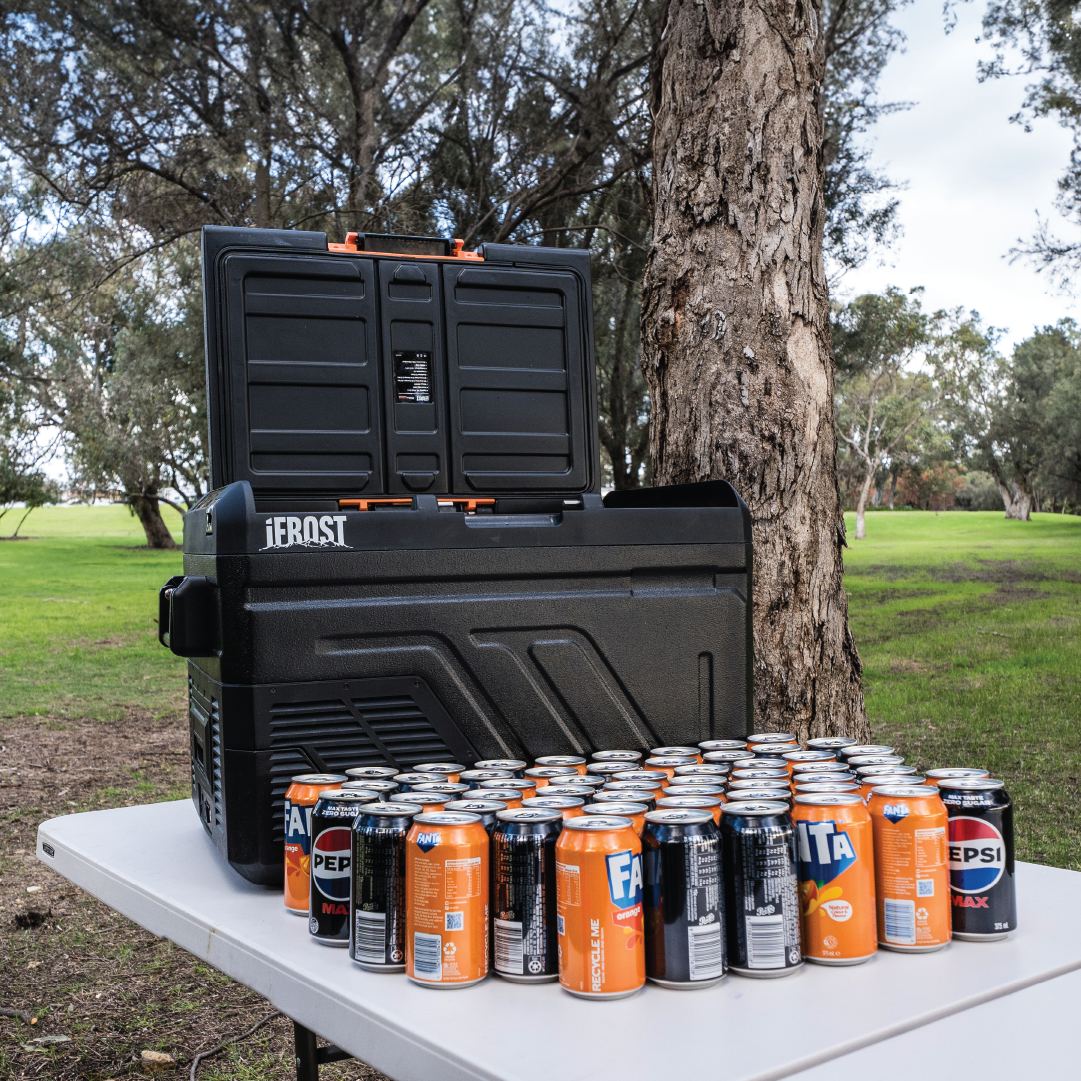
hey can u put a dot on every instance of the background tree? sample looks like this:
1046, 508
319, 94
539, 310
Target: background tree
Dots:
880, 405
735, 330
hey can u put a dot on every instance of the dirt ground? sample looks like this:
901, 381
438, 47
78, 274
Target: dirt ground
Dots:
101, 987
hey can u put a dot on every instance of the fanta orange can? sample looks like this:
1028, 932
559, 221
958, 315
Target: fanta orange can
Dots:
542, 776
666, 763
835, 865
601, 939
807, 758
575, 760
912, 870
300, 799
510, 796
568, 806
701, 803
446, 899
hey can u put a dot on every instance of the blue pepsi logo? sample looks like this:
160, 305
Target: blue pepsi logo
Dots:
977, 855
824, 852
330, 863
624, 879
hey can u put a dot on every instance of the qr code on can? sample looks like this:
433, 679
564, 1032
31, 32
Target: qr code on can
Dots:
925, 887
559, 925
454, 921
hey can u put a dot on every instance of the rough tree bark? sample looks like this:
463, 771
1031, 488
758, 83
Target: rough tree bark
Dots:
148, 511
736, 333
1017, 498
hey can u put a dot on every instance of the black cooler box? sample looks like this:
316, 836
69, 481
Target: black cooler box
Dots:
406, 557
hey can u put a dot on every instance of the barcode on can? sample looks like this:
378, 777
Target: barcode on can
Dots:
704, 947
370, 937
900, 921
508, 947
427, 956
765, 941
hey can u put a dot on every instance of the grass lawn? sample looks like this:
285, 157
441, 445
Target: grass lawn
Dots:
77, 608
969, 628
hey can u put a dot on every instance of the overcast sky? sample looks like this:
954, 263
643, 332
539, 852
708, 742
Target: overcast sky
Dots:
974, 180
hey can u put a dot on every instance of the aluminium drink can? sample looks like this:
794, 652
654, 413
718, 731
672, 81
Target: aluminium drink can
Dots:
983, 897
568, 806
599, 908
656, 775
806, 758
470, 777
684, 899
608, 769
737, 783
371, 773
835, 864
777, 795
448, 771
407, 780
300, 799
934, 776
667, 763
641, 786
331, 857
636, 812
761, 900
614, 756
719, 770
510, 796
544, 775
684, 752
377, 924
841, 776
761, 774
863, 748
524, 786
574, 760
591, 780
427, 801
523, 894
581, 791
381, 789
810, 787
708, 745
450, 789
710, 804
771, 750
446, 889
772, 737
484, 809
765, 762
701, 789
731, 757
515, 765
621, 795
830, 743
912, 883
854, 761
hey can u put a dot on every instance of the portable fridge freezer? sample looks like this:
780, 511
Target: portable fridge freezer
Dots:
358, 592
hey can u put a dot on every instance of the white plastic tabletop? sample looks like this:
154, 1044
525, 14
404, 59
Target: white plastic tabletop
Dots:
155, 865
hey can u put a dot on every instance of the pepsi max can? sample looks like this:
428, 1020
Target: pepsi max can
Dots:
761, 894
377, 927
983, 900
332, 835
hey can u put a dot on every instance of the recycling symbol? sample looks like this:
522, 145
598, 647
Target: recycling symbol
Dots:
450, 949
535, 966
793, 956
313, 925
396, 955
921, 913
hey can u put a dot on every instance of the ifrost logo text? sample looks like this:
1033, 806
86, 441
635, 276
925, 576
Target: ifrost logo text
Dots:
311, 531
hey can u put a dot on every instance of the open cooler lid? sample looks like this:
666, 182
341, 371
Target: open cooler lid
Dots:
397, 366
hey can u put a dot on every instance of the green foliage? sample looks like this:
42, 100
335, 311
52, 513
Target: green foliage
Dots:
969, 629
978, 491
78, 636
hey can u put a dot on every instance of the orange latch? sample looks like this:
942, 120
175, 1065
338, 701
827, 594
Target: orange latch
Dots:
367, 504
466, 504
457, 250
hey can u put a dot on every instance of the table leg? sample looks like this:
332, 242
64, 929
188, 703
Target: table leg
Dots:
309, 1056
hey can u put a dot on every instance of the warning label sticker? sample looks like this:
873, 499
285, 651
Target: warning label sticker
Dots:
413, 377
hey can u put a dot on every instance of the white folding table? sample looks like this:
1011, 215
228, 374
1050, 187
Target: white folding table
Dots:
987, 1011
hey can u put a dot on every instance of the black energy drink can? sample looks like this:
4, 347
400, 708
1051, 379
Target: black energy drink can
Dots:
379, 788
761, 897
982, 894
332, 830
377, 923
523, 894
371, 773
684, 899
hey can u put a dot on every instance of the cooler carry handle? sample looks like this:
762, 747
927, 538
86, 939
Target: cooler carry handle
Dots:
184, 616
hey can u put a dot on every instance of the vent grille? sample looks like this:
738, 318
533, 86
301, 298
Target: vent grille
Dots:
204, 709
330, 729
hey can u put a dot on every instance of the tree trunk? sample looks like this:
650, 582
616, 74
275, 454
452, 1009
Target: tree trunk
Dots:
861, 506
1016, 497
736, 336
149, 514
893, 488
